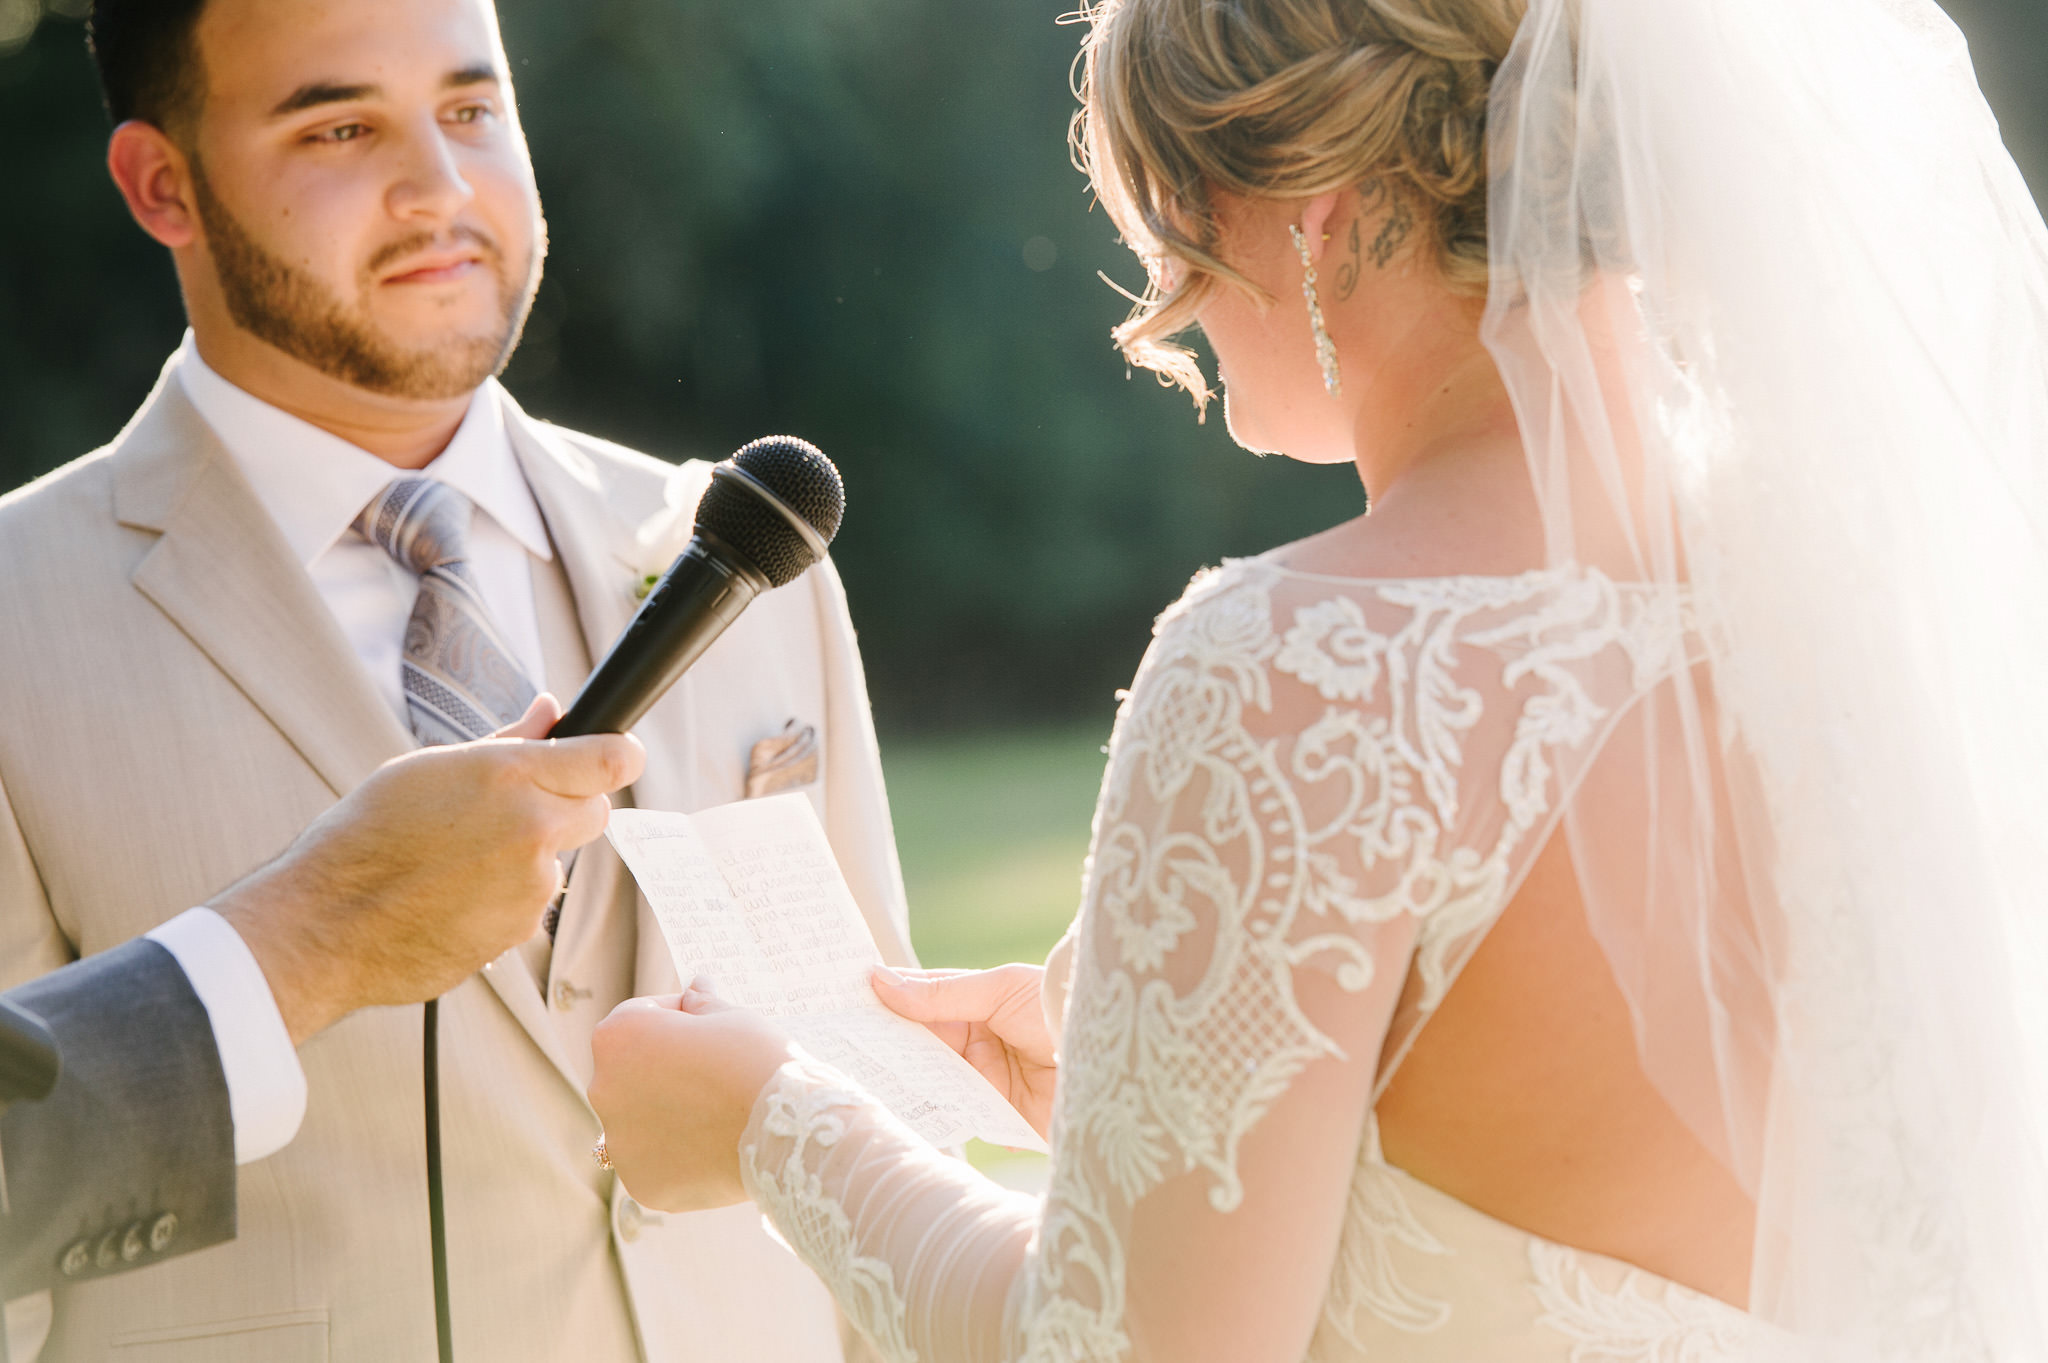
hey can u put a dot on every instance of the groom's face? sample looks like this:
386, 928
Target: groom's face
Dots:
365, 196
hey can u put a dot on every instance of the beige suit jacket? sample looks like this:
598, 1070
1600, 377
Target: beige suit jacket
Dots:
176, 702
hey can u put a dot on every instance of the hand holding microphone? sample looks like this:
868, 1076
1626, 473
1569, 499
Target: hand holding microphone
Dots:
438, 863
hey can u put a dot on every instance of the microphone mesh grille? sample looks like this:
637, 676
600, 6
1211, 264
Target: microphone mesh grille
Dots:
798, 472
802, 477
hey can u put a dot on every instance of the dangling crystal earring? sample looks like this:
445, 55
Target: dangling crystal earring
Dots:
1326, 349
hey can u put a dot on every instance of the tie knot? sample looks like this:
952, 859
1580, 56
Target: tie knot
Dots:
421, 522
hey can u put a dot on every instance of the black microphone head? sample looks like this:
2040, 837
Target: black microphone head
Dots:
801, 486
799, 473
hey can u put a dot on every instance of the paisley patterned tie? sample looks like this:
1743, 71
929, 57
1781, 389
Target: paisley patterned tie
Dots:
459, 676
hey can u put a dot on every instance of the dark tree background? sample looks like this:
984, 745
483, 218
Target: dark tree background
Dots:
851, 219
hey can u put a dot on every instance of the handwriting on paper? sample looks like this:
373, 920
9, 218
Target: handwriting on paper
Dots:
750, 895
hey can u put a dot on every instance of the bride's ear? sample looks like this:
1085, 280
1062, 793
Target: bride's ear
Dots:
1315, 221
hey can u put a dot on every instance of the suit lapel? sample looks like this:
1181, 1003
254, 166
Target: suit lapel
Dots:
223, 574
526, 998
585, 532
591, 540
595, 548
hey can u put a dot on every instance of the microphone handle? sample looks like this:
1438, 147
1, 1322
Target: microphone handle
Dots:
702, 592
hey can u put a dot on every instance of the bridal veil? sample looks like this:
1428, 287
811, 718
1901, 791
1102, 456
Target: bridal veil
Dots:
1772, 302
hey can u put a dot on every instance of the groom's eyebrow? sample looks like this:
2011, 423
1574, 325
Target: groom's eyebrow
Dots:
316, 93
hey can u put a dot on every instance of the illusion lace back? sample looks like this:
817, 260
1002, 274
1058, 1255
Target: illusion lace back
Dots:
1321, 793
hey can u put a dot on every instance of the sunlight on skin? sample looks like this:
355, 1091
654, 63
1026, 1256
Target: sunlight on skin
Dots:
361, 169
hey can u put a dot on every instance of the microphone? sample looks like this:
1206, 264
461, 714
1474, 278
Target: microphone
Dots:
770, 512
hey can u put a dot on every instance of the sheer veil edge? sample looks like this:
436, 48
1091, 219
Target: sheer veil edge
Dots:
1772, 302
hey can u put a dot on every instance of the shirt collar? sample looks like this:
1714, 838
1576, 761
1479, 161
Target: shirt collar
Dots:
314, 483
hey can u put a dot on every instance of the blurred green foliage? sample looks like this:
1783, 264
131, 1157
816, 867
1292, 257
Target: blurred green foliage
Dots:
806, 215
853, 219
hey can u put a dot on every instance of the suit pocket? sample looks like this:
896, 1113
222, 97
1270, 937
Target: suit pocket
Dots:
287, 1337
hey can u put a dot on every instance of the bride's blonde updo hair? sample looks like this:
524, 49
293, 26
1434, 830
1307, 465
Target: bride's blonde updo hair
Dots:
1282, 99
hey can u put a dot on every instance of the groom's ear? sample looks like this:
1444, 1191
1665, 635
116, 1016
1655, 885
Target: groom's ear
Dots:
155, 179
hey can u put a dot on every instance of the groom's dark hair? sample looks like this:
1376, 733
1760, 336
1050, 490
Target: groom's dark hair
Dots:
148, 56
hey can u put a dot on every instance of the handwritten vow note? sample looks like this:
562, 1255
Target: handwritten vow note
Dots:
750, 895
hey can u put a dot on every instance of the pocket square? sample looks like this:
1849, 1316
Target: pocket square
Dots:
783, 761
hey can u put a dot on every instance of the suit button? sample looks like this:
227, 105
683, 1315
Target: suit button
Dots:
133, 1242
108, 1252
565, 995
630, 1219
162, 1232
76, 1260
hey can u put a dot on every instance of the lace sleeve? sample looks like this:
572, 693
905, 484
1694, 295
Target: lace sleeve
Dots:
1286, 823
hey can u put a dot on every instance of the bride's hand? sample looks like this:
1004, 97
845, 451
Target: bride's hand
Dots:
992, 1018
675, 1082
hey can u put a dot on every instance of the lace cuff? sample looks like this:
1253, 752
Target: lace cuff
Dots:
921, 1251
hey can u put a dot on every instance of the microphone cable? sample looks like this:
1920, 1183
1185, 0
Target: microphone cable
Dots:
437, 1207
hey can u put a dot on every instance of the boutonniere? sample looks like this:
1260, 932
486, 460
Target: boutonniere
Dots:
663, 535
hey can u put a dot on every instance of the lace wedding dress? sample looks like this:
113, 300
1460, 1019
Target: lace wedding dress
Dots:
1321, 793
1771, 301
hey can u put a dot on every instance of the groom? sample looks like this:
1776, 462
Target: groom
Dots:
226, 619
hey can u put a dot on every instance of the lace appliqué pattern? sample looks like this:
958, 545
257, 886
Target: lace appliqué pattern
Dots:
1308, 775
1288, 773
798, 1118
1547, 629
1377, 1220
1640, 1320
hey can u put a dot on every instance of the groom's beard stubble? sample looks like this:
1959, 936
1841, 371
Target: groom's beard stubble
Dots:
277, 303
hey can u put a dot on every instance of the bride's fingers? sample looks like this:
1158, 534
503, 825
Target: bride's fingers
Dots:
701, 996
933, 996
986, 1051
955, 1034
651, 1003
951, 972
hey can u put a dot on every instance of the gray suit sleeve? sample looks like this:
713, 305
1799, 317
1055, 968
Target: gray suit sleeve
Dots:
131, 1158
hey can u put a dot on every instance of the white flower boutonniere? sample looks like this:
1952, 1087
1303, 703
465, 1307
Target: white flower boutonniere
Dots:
662, 536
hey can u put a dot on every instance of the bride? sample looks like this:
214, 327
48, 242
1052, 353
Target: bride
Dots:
1595, 907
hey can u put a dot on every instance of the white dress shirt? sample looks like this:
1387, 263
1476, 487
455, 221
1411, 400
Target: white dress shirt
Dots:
314, 484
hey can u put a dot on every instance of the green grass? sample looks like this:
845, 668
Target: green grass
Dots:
992, 830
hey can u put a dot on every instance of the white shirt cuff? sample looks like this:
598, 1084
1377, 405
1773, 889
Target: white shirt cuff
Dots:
266, 1086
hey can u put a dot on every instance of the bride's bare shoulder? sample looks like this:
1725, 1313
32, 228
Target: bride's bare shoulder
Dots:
1452, 517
